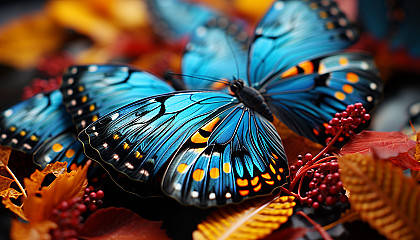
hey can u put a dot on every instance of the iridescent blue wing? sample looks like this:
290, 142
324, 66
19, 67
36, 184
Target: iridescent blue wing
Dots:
294, 31
145, 137
28, 124
216, 50
174, 19
306, 102
93, 90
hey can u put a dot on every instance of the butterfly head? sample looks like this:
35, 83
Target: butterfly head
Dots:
236, 86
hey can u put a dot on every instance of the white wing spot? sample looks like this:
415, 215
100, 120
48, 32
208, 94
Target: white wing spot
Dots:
79, 112
105, 145
129, 165
201, 31
369, 98
70, 92
116, 157
414, 109
8, 112
228, 195
364, 65
4, 136
27, 146
73, 102
73, 70
373, 86
278, 6
212, 196
47, 159
178, 186
93, 68
194, 194
14, 141
70, 81
83, 123
259, 31
114, 116
124, 69
144, 172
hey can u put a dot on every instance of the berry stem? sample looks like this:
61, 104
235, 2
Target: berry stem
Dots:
287, 191
325, 150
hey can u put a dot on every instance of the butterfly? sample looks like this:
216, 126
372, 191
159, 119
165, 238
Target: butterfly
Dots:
209, 148
43, 125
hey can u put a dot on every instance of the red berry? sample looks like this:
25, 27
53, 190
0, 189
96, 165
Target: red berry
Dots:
335, 121
366, 117
92, 207
308, 156
339, 185
323, 187
329, 200
315, 205
309, 201
334, 190
92, 195
312, 185
100, 194
87, 190
320, 198
343, 199
82, 208
87, 200
336, 176
314, 192
63, 205
345, 114
350, 108
299, 163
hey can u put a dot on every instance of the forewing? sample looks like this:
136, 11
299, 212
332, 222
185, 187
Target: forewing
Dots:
91, 91
216, 50
306, 102
228, 160
294, 31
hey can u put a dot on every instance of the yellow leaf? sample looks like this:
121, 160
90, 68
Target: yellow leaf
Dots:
253, 219
4, 155
25, 40
11, 193
36, 231
382, 195
42, 200
13, 207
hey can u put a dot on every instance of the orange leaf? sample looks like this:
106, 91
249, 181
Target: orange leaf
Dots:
37, 231
4, 184
24, 40
121, 224
42, 200
4, 155
13, 207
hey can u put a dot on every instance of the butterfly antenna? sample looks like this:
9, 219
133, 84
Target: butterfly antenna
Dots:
235, 58
205, 78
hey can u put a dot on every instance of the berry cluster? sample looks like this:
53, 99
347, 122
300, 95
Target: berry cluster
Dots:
68, 214
347, 121
326, 187
299, 164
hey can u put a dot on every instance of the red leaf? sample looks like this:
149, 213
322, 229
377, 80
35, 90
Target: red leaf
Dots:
395, 147
291, 233
121, 224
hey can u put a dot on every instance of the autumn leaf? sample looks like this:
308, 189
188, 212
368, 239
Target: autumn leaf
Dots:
24, 40
4, 155
253, 219
36, 231
121, 224
382, 195
395, 147
42, 200
7, 202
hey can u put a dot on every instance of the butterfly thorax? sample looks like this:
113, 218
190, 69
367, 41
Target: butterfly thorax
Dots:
252, 98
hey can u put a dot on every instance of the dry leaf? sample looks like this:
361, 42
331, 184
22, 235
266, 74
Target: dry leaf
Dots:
37, 231
382, 195
4, 155
42, 200
253, 219
13, 207
24, 40
121, 224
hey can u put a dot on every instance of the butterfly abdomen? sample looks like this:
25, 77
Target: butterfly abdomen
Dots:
254, 100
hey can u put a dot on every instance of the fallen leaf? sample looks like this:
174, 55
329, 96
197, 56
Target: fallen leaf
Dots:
382, 195
36, 231
23, 41
395, 147
13, 207
121, 224
252, 219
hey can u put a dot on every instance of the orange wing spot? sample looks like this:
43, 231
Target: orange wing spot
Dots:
22, 133
73, 166
255, 181
279, 177
81, 88
84, 99
315, 132
325, 125
343, 61
138, 155
308, 67
242, 183
94, 118
257, 188
244, 192
12, 129
272, 169
281, 170
270, 182
330, 25
321, 68
218, 86
226, 167
214, 173
209, 126
91, 107
266, 176
125, 146
352, 77
57, 147
198, 175
340, 96
34, 138
182, 168
323, 14
290, 72
275, 156
197, 138
313, 5
70, 153
115, 136
347, 88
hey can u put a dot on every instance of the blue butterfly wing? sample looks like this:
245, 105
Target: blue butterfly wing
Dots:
174, 19
93, 90
217, 50
140, 139
239, 158
294, 31
305, 102
30, 123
